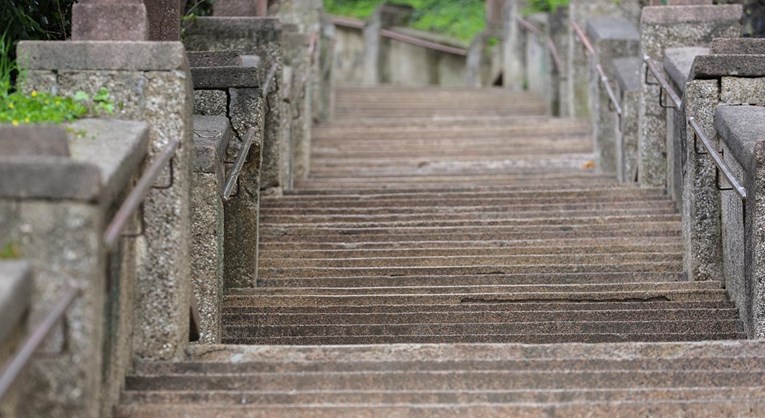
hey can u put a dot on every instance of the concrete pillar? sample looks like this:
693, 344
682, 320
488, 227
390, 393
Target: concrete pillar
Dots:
664, 27
579, 71
513, 46
164, 19
110, 20
612, 37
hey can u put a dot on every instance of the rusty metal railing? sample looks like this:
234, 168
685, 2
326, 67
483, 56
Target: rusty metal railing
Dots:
663, 83
138, 195
722, 166
23, 356
556, 57
604, 80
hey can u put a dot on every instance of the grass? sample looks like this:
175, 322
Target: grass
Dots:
18, 108
459, 19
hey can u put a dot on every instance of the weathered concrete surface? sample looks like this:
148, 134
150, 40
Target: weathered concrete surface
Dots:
677, 65
163, 98
15, 294
104, 20
738, 46
211, 136
39, 140
214, 58
665, 27
61, 240
262, 37
743, 243
579, 71
626, 73
612, 37
701, 210
298, 55
513, 46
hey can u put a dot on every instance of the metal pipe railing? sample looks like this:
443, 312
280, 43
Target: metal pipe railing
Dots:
663, 82
549, 44
16, 365
249, 139
236, 170
138, 194
599, 68
401, 37
719, 162
413, 40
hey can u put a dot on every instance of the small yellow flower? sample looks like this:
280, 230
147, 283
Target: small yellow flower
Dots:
11, 105
26, 120
34, 93
15, 123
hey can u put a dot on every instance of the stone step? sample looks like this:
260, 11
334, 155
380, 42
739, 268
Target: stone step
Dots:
482, 317
485, 196
528, 251
477, 280
529, 327
495, 269
274, 217
439, 222
240, 306
470, 289
453, 380
517, 242
740, 407
472, 209
252, 297
447, 259
589, 182
287, 398
191, 368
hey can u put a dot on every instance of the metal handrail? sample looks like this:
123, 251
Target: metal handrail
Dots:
138, 194
16, 365
599, 68
409, 39
249, 139
549, 44
236, 170
413, 40
663, 82
719, 162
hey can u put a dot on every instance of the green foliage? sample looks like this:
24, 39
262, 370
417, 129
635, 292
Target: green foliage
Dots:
38, 107
460, 19
536, 6
10, 252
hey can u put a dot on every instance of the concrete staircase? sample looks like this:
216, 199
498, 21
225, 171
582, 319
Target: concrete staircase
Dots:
434, 222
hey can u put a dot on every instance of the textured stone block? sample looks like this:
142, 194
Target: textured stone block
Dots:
214, 58
225, 77
109, 22
92, 56
664, 27
211, 137
35, 140
738, 46
737, 90
739, 127
211, 102
678, 63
